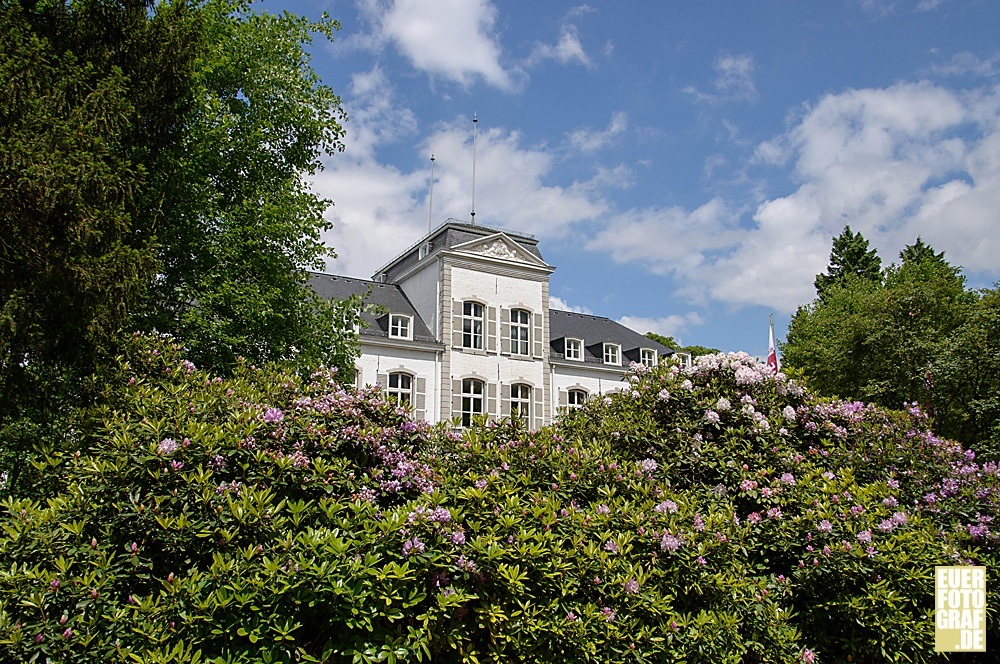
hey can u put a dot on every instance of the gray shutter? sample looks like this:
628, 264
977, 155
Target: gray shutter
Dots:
456, 398
491, 329
505, 400
538, 335
505, 331
456, 323
383, 381
536, 409
491, 400
420, 400
563, 398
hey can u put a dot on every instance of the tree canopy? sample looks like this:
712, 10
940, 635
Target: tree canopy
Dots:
670, 342
850, 256
907, 336
154, 158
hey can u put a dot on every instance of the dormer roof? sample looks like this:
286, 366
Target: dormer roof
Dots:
595, 331
388, 298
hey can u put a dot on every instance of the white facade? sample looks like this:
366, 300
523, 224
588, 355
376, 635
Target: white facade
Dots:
480, 341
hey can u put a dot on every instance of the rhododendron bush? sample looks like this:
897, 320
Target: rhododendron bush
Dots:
716, 514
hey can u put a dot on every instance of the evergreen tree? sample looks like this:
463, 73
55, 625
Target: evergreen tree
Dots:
850, 256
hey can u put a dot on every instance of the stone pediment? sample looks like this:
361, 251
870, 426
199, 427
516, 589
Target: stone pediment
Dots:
500, 247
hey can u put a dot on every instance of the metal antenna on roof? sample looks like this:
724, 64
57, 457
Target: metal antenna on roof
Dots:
430, 199
474, 121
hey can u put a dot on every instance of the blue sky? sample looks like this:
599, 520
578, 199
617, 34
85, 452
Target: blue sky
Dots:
685, 165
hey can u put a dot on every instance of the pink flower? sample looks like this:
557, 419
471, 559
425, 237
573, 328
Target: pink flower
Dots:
631, 586
273, 415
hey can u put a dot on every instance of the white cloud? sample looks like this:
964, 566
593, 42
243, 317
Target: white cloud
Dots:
912, 159
586, 140
668, 326
733, 81
567, 50
454, 39
381, 210
969, 64
561, 304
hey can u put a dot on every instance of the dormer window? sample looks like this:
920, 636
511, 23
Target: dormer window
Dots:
647, 356
425, 250
400, 327
612, 354
574, 349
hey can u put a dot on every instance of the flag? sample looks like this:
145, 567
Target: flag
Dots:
772, 351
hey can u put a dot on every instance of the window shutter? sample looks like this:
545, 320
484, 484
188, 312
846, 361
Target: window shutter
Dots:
538, 335
563, 398
383, 381
456, 325
420, 400
536, 408
491, 329
491, 399
456, 398
505, 331
505, 400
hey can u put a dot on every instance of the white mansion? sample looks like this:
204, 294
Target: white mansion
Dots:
462, 327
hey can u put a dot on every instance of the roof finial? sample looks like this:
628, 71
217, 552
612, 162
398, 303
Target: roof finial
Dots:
430, 198
474, 124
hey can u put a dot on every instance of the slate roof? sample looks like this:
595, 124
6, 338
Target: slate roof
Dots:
390, 297
595, 331
450, 234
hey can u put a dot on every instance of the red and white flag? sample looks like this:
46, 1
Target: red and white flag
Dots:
772, 351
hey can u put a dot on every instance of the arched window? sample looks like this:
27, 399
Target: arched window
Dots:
576, 398
472, 400
520, 402
400, 388
472, 325
520, 326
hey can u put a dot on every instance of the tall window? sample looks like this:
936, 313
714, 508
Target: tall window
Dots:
400, 388
472, 325
612, 354
399, 326
574, 349
472, 400
519, 327
520, 403
576, 398
648, 357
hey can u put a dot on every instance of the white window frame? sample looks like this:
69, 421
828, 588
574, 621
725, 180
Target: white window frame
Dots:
399, 388
648, 357
576, 395
612, 354
400, 326
520, 332
577, 354
473, 399
473, 325
520, 402
425, 249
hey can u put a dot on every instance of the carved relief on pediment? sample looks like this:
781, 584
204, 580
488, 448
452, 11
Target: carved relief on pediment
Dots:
498, 249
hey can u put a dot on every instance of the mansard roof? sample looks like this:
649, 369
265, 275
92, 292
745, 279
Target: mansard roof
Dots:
453, 233
594, 331
388, 298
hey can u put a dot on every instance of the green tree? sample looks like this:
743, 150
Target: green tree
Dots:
241, 226
670, 342
850, 256
918, 336
153, 157
90, 92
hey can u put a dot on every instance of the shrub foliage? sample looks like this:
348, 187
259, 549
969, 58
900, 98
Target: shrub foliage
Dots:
718, 514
